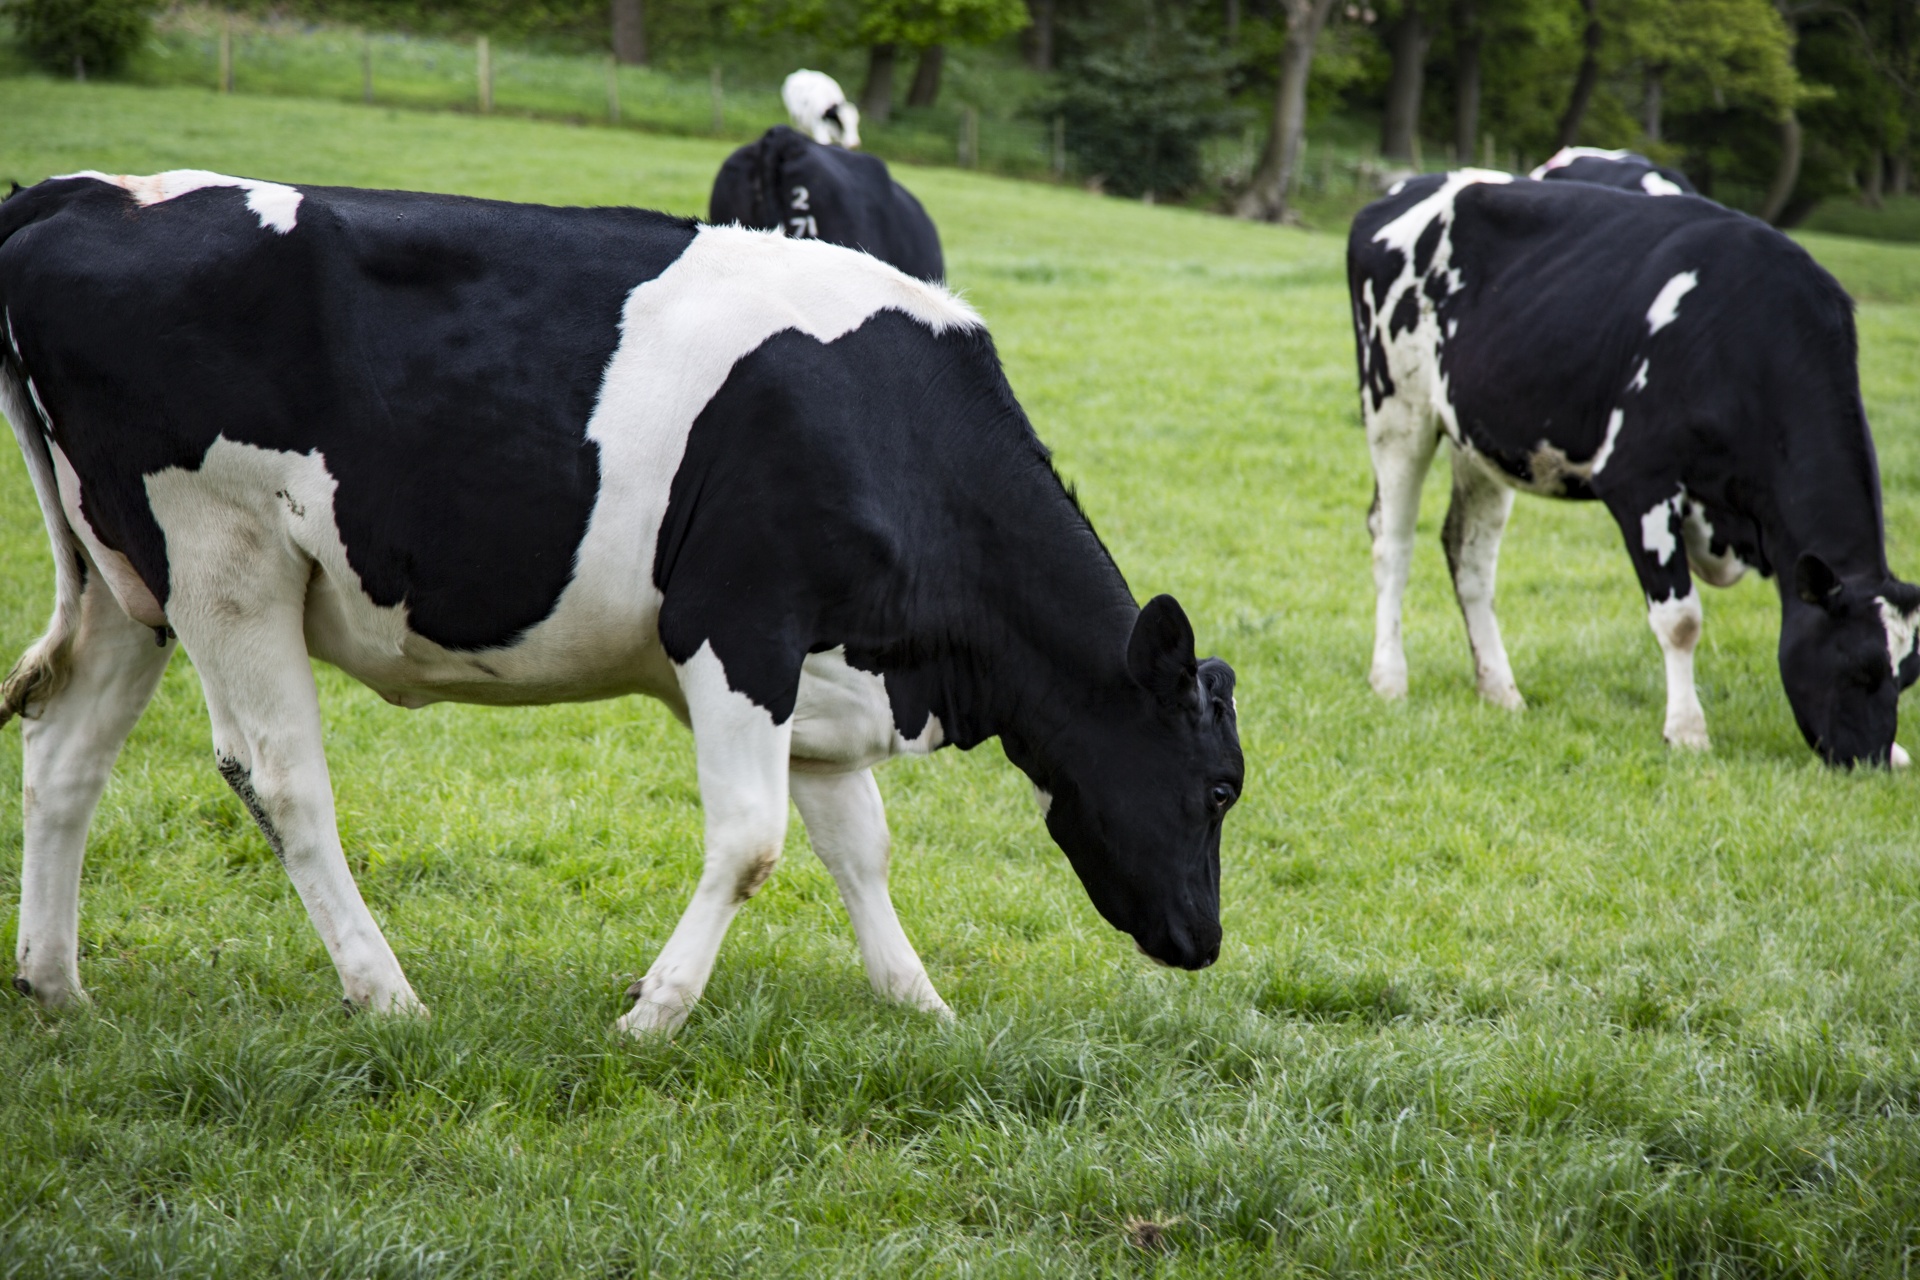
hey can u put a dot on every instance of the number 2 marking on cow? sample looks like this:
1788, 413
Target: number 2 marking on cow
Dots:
800, 197
803, 228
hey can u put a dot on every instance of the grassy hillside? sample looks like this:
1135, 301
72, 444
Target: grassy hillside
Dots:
1500, 995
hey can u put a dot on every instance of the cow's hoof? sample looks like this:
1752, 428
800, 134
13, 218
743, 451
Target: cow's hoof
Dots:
1389, 684
21, 985
50, 994
656, 1011
1505, 696
402, 1003
1688, 739
1898, 758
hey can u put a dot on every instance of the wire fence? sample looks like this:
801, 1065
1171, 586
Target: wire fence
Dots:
245, 56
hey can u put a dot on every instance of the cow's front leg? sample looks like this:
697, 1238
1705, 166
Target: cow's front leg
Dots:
1401, 438
253, 665
741, 754
847, 824
1655, 540
69, 743
1476, 517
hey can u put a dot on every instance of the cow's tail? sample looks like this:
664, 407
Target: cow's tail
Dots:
43, 669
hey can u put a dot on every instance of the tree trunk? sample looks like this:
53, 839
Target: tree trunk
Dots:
1466, 101
630, 32
1902, 173
876, 99
1407, 42
926, 76
1266, 194
1656, 84
1871, 189
1038, 36
1787, 175
1584, 83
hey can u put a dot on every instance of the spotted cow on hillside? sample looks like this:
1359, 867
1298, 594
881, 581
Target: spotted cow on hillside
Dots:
1627, 170
787, 182
508, 454
1688, 366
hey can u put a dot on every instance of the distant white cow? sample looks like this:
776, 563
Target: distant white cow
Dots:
819, 108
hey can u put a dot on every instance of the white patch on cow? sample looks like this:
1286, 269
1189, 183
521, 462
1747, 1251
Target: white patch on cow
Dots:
1901, 632
844, 721
1044, 799
1639, 382
1898, 757
274, 203
1567, 155
1666, 305
1413, 360
1655, 185
1656, 529
808, 96
1676, 625
127, 586
39, 405
1721, 569
13, 344
1605, 451
1397, 188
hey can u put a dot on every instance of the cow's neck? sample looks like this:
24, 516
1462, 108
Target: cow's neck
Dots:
1826, 500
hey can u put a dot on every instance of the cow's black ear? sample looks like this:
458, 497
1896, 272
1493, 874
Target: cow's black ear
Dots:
1160, 651
832, 113
1815, 582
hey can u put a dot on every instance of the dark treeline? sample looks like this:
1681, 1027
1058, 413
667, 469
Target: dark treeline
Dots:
1769, 105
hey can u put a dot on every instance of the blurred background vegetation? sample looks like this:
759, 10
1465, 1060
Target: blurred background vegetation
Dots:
1799, 111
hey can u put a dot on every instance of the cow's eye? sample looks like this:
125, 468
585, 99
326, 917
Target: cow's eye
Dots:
1222, 795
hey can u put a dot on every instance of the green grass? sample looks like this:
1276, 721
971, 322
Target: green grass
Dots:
1500, 995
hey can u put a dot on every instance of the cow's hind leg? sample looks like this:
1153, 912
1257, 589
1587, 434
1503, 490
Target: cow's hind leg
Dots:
240, 619
741, 754
1401, 438
1476, 517
70, 739
847, 824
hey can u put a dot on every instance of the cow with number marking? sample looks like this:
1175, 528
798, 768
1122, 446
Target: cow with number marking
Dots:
1627, 170
480, 452
1688, 366
788, 183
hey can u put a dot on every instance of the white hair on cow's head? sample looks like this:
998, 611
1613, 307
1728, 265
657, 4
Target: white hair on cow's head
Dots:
819, 108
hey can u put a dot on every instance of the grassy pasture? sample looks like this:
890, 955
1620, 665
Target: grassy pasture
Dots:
1500, 995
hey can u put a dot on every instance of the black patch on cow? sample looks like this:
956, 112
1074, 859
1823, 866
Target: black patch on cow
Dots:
1406, 314
443, 355
871, 492
1424, 247
788, 182
240, 778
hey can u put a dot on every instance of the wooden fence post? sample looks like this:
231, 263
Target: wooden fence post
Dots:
1060, 147
226, 54
969, 145
366, 68
613, 90
719, 101
484, 54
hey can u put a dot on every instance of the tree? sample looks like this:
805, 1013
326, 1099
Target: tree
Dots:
1467, 39
77, 37
630, 32
883, 28
1266, 194
926, 76
1408, 35
1586, 80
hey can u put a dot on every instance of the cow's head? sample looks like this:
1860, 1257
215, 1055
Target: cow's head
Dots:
842, 122
1847, 650
1135, 792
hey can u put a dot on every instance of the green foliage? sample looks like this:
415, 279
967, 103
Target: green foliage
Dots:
94, 35
1137, 109
915, 23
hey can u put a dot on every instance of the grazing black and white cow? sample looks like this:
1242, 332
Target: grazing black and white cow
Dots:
1686, 365
508, 454
1627, 170
788, 182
